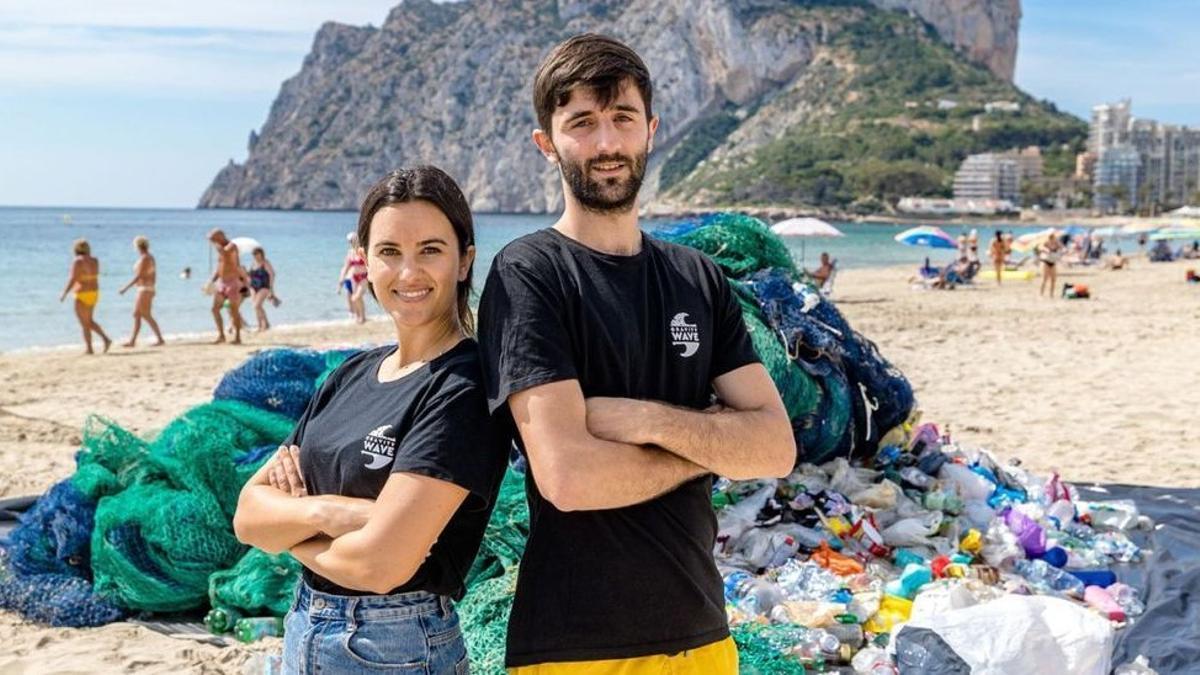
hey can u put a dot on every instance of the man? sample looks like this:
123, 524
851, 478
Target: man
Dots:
227, 285
608, 346
822, 273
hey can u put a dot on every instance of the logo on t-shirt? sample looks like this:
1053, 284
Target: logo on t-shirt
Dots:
684, 334
379, 448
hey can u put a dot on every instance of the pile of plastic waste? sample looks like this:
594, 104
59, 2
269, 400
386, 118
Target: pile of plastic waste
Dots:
927, 555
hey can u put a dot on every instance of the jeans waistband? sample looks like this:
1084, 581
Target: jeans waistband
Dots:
356, 607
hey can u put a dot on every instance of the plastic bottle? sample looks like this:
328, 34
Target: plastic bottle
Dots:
1139, 666
751, 594
847, 633
1118, 514
873, 661
763, 549
917, 478
1030, 535
1100, 600
263, 664
251, 629
1101, 578
220, 620
1127, 598
942, 501
1044, 576
1056, 555
1062, 511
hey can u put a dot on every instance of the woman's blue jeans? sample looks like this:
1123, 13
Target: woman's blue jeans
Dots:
402, 633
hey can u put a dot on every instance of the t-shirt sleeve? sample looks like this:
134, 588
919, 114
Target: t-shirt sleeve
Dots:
734, 348
522, 337
454, 439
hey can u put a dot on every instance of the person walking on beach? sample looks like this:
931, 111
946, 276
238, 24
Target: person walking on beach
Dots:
227, 286
262, 285
353, 279
1049, 252
385, 486
607, 347
998, 252
84, 280
145, 273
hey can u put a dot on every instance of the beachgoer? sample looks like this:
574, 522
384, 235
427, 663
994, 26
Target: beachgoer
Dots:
227, 282
1049, 252
1116, 261
354, 279
608, 346
383, 489
185, 273
145, 273
1191, 253
84, 280
262, 284
998, 252
823, 272
1161, 252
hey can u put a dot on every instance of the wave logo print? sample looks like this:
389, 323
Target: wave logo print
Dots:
684, 334
379, 448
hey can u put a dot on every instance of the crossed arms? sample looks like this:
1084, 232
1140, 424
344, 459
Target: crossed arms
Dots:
362, 544
603, 453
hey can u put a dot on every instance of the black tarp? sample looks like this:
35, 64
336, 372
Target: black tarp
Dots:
1168, 634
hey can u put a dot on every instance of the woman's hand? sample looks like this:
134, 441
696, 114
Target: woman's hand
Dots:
284, 473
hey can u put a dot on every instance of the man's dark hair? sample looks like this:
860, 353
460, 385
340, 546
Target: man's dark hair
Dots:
595, 61
431, 184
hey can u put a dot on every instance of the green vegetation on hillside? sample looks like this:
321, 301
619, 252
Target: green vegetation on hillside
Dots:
882, 135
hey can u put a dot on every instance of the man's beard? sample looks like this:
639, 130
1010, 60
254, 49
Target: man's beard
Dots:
609, 195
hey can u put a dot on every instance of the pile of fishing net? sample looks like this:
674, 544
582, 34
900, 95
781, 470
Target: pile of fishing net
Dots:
145, 525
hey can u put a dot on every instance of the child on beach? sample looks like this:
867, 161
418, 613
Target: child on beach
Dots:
145, 273
84, 281
385, 486
262, 285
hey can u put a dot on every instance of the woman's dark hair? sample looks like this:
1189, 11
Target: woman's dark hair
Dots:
430, 184
999, 235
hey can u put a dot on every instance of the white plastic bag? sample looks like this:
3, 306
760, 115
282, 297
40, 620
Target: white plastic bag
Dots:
1024, 634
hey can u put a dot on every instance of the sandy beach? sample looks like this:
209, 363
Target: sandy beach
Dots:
1104, 389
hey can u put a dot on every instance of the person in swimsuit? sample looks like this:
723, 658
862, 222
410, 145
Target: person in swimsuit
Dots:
354, 279
998, 252
262, 284
1049, 253
384, 488
84, 280
227, 286
145, 272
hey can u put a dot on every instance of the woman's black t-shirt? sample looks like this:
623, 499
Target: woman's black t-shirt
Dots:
434, 421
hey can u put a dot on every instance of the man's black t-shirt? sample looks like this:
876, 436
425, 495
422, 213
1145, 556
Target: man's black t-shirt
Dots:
661, 325
434, 421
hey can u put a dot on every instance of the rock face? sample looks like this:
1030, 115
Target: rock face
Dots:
985, 31
449, 84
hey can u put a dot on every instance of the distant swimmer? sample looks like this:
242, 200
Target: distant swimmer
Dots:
185, 273
145, 273
84, 280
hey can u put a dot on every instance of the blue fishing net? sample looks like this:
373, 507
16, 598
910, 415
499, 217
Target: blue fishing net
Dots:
279, 380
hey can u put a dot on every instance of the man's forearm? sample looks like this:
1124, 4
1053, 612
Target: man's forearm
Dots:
737, 444
607, 475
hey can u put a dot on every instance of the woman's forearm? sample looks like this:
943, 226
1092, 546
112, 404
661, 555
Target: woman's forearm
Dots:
274, 521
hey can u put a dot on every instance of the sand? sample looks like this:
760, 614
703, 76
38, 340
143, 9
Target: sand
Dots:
1105, 389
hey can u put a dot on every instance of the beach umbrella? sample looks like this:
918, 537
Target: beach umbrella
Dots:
1027, 242
933, 237
1139, 228
1176, 233
805, 228
246, 245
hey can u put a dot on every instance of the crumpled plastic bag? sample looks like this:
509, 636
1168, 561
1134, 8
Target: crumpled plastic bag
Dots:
912, 531
1025, 634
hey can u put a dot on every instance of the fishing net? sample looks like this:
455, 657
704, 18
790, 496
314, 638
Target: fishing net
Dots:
279, 380
260, 584
492, 579
738, 243
764, 650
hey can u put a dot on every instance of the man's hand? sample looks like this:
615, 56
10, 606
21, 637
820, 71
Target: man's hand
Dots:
284, 472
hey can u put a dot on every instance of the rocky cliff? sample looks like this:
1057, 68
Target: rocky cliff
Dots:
449, 84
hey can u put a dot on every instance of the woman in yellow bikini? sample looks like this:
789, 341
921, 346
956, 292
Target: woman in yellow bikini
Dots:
84, 280
145, 273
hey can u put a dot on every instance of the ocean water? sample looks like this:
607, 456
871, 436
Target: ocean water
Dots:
306, 249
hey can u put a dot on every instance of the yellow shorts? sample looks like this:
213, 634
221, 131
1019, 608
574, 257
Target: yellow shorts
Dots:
718, 658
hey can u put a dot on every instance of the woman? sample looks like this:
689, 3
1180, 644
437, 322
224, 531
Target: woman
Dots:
353, 279
1049, 253
385, 486
262, 285
84, 280
998, 252
145, 272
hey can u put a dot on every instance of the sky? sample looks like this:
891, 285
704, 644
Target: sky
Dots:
138, 103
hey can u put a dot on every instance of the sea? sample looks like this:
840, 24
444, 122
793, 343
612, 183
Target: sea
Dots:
305, 247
